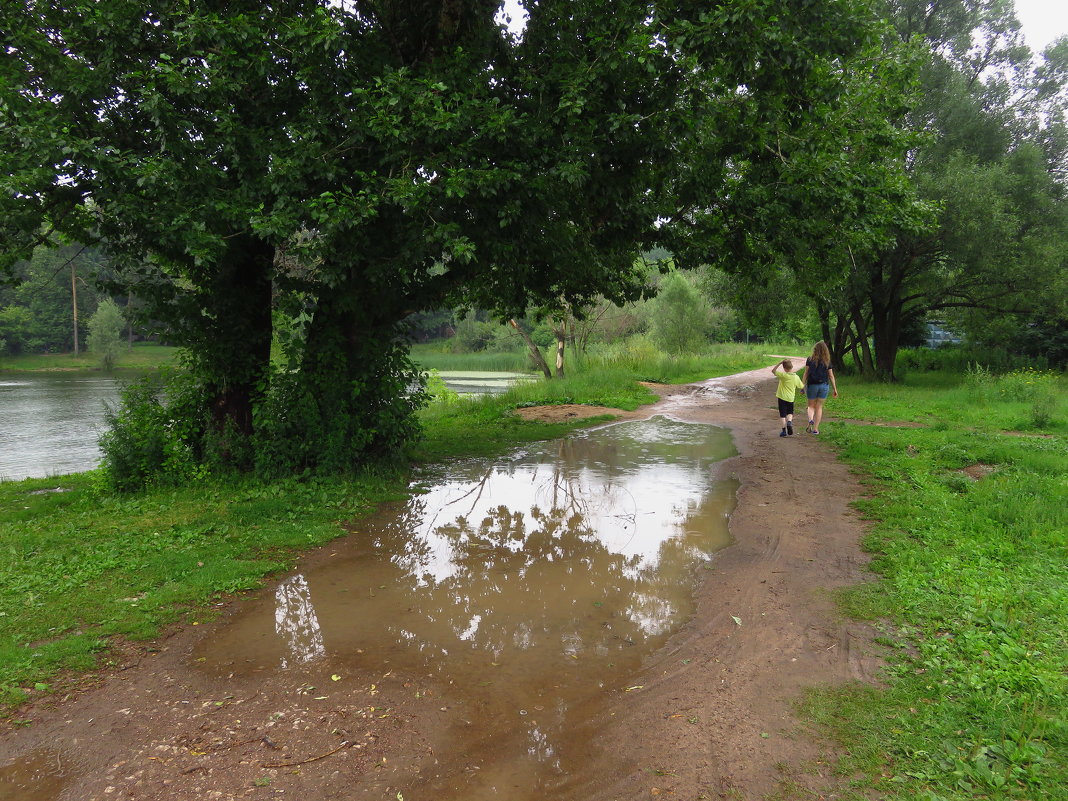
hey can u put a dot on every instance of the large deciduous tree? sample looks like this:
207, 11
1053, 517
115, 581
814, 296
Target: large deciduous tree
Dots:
347, 164
989, 161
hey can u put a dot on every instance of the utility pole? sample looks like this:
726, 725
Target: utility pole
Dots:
74, 302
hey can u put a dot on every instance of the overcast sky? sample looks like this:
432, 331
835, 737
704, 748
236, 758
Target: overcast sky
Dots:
1042, 20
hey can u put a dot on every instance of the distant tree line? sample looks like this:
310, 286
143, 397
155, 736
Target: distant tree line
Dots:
52, 297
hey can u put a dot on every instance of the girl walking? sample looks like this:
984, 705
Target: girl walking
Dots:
819, 382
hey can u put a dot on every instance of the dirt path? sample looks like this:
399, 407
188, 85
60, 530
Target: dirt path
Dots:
712, 718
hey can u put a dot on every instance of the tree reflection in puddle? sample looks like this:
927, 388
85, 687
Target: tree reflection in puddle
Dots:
296, 623
528, 586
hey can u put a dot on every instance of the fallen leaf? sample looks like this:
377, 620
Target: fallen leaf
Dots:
737, 620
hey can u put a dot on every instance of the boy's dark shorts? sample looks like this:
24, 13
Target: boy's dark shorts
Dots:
785, 407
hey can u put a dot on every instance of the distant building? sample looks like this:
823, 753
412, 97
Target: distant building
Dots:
938, 335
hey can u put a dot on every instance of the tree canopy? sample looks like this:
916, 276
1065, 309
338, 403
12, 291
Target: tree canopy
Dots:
346, 164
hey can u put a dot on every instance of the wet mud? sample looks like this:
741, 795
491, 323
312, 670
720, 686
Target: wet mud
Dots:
586, 619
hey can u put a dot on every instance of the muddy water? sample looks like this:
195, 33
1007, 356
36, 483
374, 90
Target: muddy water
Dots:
40, 775
530, 588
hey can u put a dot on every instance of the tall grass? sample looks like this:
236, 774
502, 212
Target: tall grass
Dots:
143, 356
970, 539
957, 359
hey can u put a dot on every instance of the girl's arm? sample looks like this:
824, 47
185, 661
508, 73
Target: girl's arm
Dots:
834, 385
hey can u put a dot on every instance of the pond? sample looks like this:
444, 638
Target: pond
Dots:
530, 588
50, 421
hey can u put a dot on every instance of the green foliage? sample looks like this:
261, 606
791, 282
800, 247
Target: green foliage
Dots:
349, 169
986, 177
679, 316
153, 436
334, 416
15, 324
438, 390
973, 593
105, 331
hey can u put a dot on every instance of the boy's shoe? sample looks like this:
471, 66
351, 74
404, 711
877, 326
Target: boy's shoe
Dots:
790, 429
782, 433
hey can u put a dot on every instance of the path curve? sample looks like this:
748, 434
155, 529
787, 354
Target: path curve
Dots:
712, 718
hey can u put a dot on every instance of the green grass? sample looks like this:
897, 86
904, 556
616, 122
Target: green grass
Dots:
973, 594
83, 566
1022, 400
144, 356
431, 357
643, 361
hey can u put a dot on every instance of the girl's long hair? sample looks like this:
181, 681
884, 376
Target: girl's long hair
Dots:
821, 353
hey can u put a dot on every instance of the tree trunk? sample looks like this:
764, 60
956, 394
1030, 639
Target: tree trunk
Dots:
561, 342
886, 336
237, 357
535, 351
129, 321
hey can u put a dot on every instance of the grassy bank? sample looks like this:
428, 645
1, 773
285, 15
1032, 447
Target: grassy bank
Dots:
634, 359
143, 356
970, 539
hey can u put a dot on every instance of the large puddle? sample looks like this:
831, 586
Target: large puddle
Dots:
532, 588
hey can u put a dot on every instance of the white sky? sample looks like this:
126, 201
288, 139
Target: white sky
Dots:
1042, 21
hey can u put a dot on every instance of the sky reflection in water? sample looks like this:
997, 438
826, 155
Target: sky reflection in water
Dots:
531, 584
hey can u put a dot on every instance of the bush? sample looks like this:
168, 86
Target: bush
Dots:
151, 436
15, 322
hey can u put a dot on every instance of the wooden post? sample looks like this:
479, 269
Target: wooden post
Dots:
74, 303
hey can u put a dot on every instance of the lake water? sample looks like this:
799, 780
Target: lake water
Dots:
50, 422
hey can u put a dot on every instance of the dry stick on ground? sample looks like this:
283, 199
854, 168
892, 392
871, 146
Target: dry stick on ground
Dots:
306, 761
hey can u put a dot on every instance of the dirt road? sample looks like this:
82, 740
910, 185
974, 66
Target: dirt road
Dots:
712, 718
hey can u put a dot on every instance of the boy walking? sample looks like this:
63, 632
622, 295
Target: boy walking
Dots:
789, 383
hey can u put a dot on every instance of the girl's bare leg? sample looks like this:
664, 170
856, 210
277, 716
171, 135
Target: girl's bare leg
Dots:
817, 413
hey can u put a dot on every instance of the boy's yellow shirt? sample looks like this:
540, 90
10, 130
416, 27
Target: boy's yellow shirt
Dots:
789, 383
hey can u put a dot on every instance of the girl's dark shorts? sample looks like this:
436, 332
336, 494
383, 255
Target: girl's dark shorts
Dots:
785, 407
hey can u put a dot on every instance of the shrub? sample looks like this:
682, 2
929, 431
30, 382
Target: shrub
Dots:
152, 435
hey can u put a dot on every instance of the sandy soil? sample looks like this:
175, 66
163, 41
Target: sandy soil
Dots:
712, 719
